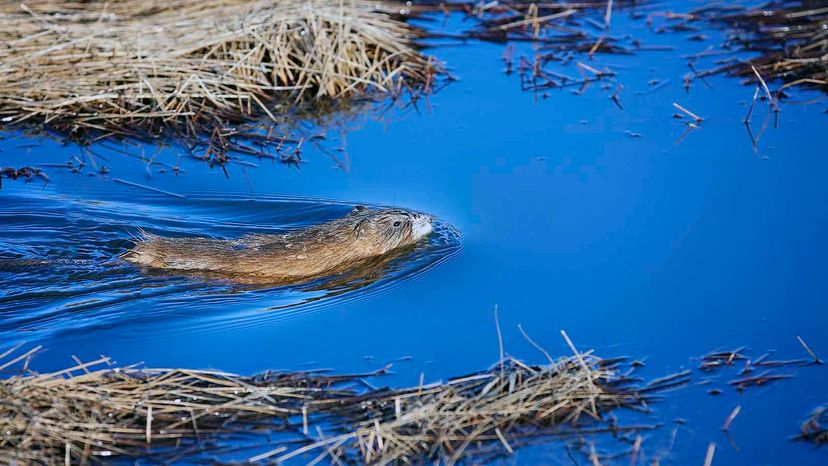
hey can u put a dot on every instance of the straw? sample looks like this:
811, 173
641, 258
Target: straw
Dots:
196, 70
95, 410
488, 414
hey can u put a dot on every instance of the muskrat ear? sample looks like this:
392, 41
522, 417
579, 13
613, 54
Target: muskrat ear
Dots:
358, 208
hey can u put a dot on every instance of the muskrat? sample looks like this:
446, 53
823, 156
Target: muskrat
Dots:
291, 257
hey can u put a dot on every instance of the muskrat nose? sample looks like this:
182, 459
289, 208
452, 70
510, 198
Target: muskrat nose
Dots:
421, 226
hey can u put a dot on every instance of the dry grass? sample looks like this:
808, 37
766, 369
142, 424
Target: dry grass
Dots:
790, 38
485, 415
192, 69
93, 411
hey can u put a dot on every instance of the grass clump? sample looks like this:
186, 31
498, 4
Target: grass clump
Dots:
486, 415
195, 70
94, 411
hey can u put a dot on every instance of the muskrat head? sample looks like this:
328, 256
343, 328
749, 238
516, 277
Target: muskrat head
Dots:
388, 229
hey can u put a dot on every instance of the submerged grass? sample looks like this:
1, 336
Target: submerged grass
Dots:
195, 70
93, 411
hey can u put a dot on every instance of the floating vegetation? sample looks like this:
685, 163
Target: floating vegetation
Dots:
790, 37
92, 411
25, 173
815, 429
198, 71
754, 372
564, 34
718, 359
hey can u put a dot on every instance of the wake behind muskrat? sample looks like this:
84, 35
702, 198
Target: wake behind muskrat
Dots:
288, 258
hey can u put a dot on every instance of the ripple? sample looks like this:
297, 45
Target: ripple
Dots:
60, 269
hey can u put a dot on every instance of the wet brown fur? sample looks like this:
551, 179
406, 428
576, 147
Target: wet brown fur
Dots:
292, 257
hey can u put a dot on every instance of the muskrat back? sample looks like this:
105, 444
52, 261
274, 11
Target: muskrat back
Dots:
290, 257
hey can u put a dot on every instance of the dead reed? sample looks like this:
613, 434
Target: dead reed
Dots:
564, 33
755, 371
197, 70
815, 429
93, 411
486, 415
790, 38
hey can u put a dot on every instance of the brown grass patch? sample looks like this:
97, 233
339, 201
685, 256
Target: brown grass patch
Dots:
94, 411
194, 70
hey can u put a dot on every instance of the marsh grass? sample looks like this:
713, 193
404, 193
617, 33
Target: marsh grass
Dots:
197, 70
489, 414
93, 411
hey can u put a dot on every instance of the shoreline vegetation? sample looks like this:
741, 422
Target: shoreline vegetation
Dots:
231, 78
197, 72
94, 411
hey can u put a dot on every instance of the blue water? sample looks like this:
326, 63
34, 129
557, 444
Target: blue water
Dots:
652, 247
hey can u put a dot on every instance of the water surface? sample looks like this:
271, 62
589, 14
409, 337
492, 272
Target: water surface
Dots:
62, 270
575, 215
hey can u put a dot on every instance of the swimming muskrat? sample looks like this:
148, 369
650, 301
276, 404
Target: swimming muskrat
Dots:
291, 257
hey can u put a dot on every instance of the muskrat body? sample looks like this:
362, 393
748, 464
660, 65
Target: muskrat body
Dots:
291, 257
